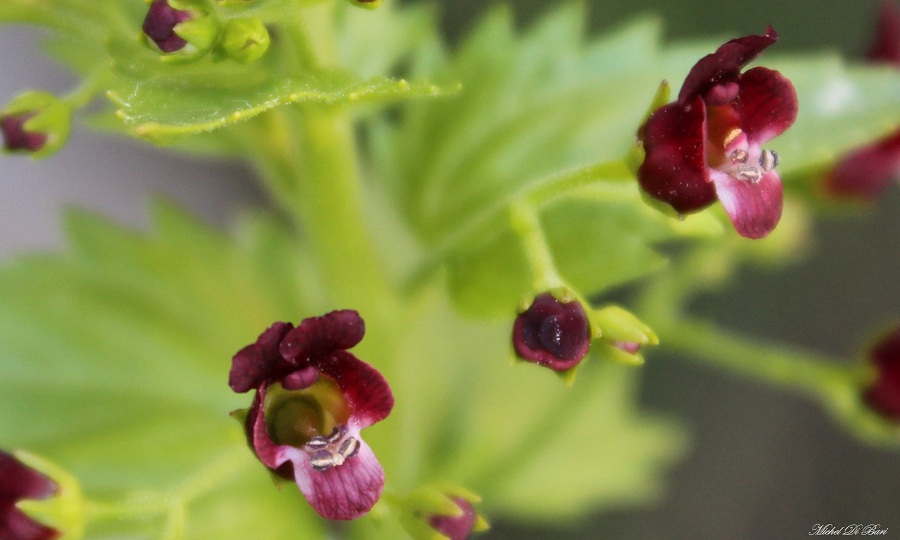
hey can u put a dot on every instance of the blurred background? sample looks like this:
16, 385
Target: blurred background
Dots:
764, 464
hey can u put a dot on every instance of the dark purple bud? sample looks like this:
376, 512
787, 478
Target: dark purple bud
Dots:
552, 333
883, 394
456, 527
16, 138
159, 26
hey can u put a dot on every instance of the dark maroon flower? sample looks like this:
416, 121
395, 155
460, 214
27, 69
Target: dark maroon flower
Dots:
708, 145
16, 138
865, 173
552, 333
456, 527
159, 25
20, 482
312, 399
886, 47
883, 394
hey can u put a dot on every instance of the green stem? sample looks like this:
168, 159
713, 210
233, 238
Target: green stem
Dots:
811, 374
584, 181
527, 225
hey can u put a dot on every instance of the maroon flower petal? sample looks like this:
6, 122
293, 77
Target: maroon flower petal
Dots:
319, 336
866, 172
262, 361
364, 388
18, 482
767, 104
456, 527
347, 491
674, 170
723, 66
754, 208
886, 48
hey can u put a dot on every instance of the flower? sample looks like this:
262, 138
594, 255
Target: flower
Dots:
20, 482
883, 393
312, 399
866, 172
886, 47
552, 333
708, 145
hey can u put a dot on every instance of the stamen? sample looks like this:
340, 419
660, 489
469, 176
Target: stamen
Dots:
732, 135
332, 451
316, 443
322, 460
739, 156
349, 447
749, 173
337, 433
768, 160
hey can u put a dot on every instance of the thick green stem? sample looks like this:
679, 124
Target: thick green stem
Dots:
818, 377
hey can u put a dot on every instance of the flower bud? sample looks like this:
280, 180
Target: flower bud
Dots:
553, 333
180, 28
624, 333
882, 394
448, 511
38, 501
36, 123
367, 4
244, 40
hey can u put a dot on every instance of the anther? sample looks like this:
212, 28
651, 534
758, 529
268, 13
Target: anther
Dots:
732, 135
349, 448
749, 173
768, 160
322, 460
739, 156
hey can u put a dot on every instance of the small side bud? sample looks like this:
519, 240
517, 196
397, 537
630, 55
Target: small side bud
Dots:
552, 332
367, 4
442, 512
38, 500
882, 394
624, 333
181, 29
243, 40
35, 123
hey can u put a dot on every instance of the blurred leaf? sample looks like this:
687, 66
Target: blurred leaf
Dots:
115, 355
550, 100
533, 448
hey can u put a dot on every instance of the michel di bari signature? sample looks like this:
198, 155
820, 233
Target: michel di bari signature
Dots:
854, 529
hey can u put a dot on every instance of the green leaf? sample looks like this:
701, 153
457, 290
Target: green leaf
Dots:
550, 100
148, 110
511, 432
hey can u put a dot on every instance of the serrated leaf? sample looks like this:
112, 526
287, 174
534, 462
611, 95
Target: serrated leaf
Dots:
115, 359
149, 110
549, 100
